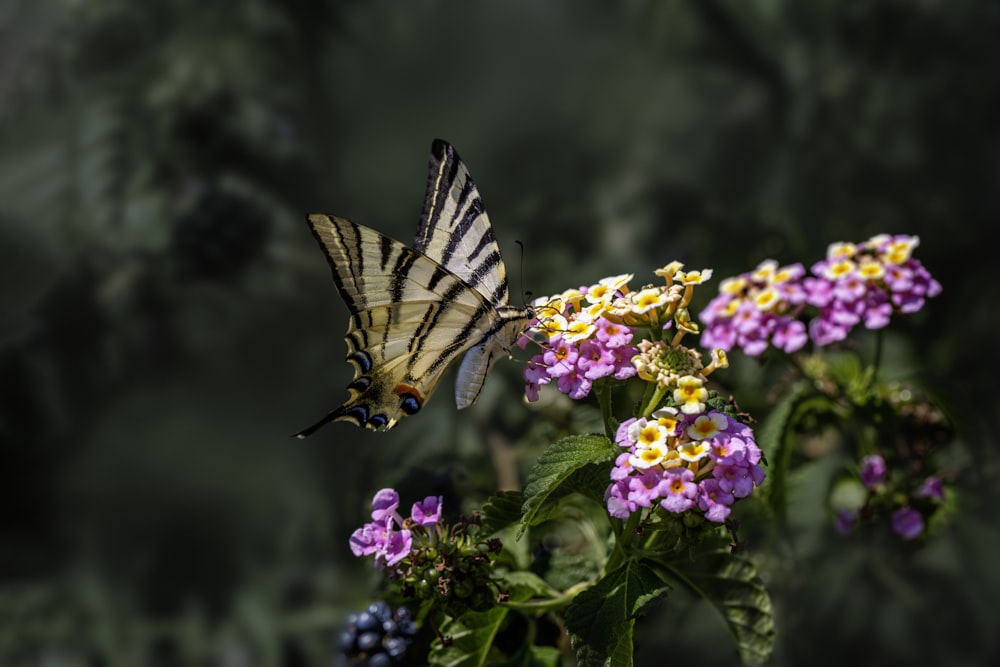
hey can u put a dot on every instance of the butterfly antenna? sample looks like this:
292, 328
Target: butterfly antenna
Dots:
525, 295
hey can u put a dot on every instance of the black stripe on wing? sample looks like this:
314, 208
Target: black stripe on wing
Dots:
442, 169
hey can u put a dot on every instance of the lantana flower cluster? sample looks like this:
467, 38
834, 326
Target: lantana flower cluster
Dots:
582, 339
907, 510
864, 283
681, 454
433, 561
390, 538
705, 460
586, 334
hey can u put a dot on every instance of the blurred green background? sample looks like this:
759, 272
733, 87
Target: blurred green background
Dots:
167, 320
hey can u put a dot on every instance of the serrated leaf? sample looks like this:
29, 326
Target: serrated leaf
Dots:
471, 636
570, 465
601, 618
500, 510
775, 441
731, 584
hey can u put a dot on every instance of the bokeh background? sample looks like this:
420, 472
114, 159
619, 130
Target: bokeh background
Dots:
167, 320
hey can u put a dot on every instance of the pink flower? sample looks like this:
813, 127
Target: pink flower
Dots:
907, 522
845, 520
932, 487
611, 334
595, 360
384, 506
560, 358
573, 384
873, 471
428, 511
714, 501
678, 490
616, 498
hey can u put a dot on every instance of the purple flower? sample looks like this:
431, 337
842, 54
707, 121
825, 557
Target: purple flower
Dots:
845, 520
395, 548
365, 540
611, 334
621, 435
714, 501
623, 468
878, 312
754, 341
427, 512
616, 497
819, 292
644, 487
790, 335
623, 368
560, 358
907, 522
734, 479
574, 384
380, 540
595, 360
932, 487
899, 279
384, 505
823, 330
873, 471
678, 490
855, 283
379, 537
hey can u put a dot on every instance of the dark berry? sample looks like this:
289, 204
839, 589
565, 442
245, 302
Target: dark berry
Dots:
348, 638
379, 660
396, 646
367, 621
368, 641
381, 610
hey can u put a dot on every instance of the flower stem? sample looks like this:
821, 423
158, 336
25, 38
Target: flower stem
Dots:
603, 390
540, 606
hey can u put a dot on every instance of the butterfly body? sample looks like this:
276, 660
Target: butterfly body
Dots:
415, 309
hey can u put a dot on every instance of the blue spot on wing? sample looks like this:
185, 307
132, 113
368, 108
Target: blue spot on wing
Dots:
363, 361
410, 404
378, 421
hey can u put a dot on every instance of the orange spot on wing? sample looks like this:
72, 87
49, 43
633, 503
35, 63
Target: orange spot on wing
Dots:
405, 389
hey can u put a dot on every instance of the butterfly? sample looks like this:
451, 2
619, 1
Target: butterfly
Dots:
415, 309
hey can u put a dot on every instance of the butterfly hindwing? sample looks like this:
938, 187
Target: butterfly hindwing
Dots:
413, 310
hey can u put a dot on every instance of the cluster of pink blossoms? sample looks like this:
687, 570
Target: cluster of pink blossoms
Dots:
586, 334
908, 521
856, 284
388, 537
581, 340
684, 456
683, 461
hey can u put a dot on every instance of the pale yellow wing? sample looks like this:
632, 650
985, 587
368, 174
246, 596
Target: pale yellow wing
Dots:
410, 317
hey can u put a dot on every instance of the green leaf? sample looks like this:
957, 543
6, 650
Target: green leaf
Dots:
776, 441
601, 618
575, 464
472, 635
731, 584
524, 585
500, 510
472, 638
533, 656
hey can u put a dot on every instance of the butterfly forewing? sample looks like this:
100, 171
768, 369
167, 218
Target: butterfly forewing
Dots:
414, 310
454, 229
